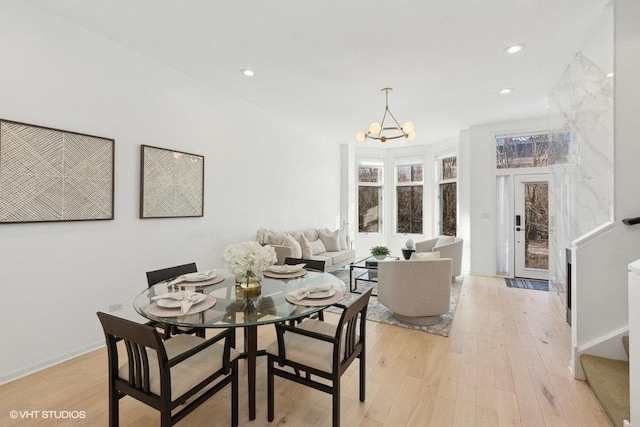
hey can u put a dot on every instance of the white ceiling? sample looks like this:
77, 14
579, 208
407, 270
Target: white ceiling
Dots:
322, 63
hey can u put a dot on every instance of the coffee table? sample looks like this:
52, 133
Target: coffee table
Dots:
365, 270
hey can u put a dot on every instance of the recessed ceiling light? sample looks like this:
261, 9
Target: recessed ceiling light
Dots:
610, 74
514, 48
506, 90
247, 72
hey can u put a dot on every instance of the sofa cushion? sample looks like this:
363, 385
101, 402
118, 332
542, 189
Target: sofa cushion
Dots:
317, 247
444, 240
328, 261
425, 255
296, 249
330, 240
340, 257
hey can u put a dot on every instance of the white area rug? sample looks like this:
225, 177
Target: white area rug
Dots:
381, 314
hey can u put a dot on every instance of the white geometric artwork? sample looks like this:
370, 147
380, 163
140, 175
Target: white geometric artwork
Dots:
172, 184
49, 175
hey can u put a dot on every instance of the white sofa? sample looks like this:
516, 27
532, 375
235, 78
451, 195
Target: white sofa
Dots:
317, 244
448, 246
416, 291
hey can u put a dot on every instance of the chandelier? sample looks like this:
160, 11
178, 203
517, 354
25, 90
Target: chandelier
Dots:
382, 133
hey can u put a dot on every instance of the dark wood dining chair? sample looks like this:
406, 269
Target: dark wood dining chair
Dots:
157, 276
322, 349
311, 264
165, 374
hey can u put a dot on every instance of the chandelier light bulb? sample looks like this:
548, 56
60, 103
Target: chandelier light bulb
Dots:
411, 136
361, 136
375, 127
408, 127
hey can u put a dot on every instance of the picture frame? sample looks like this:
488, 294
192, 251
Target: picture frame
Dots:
171, 183
54, 175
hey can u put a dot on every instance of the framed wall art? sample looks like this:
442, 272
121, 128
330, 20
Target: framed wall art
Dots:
172, 184
50, 175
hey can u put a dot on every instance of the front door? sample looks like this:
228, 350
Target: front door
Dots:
531, 225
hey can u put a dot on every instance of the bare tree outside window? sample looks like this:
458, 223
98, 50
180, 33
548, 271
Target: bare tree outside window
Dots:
449, 207
537, 225
448, 198
369, 198
409, 198
532, 150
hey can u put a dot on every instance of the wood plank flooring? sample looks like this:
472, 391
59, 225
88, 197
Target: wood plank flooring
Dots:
504, 364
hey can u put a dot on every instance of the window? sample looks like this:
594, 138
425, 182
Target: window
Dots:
370, 196
447, 196
526, 151
409, 191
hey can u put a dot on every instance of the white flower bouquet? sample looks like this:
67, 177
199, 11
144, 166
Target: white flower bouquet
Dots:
249, 259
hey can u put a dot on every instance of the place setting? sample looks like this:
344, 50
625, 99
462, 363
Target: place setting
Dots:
180, 303
317, 295
285, 271
197, 279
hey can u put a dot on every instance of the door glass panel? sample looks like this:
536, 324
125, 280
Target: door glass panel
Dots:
536, 225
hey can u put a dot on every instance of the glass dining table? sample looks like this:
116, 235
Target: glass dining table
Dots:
238, 308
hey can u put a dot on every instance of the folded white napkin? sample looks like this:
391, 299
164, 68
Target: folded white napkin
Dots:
186, 298
198, 276
302, 293
286, 268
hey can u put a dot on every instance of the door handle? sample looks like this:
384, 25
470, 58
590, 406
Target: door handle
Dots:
518, 229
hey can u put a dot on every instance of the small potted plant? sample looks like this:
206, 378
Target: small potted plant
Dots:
380, 252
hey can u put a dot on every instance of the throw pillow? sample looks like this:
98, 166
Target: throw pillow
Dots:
444, 240
275, 238
425, 255
317, 247
296, 249
306, 246
342, 237
330, 240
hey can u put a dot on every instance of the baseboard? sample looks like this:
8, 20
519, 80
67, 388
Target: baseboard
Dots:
36, 367
609, 346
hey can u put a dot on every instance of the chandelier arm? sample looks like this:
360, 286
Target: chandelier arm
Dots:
394, 119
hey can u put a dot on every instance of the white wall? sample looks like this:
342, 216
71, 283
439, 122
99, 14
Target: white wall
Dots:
55, 276
600, 297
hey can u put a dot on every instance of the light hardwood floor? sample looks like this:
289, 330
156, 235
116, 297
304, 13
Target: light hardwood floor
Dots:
504, 364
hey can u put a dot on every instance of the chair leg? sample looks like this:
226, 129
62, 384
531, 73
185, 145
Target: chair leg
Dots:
362, 376
114, 408
201, 332
336, 402
165, 416
321, 315
234, 393
270, 390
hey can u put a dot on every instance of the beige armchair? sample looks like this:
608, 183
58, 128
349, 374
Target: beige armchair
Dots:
447, 249
417, 291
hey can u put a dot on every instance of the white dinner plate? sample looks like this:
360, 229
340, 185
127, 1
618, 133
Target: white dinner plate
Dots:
201, 277
320, 295
174, 303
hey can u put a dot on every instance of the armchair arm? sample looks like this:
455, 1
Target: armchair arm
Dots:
426, 245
